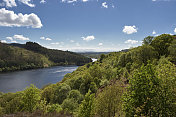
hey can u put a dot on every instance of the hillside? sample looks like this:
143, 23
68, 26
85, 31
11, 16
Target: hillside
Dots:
59, 57
14, 58
31, 55
138, 82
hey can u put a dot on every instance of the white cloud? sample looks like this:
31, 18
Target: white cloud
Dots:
45, 38
175, 30
72, 41
154, 32
8, 3
13, 41
42, 1
85, 0
100, 44
130, 29
88, 38
10, 19
3, 41
131, 41
104, 4
9, 38
20, 37
27, 2
69, 1
56, 43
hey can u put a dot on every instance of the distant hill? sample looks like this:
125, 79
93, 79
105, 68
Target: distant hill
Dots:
32, 55
14, 58
93, 54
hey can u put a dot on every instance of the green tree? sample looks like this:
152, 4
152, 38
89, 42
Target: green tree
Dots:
108, 102
76, 95
86, 106
161, 43
69, 105
148, 40
61, 92
151, 93
31, 98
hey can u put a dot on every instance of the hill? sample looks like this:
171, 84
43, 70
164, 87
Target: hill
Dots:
14, 58
59, 57
32, 55
138, 82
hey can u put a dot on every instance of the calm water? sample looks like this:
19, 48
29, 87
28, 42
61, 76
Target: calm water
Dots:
17, 81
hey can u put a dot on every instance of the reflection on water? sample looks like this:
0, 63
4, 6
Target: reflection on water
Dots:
17, 81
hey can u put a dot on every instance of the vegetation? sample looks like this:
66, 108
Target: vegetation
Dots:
138, 82
32, 55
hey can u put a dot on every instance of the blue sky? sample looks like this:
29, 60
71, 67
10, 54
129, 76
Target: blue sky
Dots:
85, 25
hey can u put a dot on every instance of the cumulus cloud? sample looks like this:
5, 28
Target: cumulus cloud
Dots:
154, 32
69, 1
100, 44
85, 0
104, 4
9, 38
20, 37
27, 2
131, 41
17, 37
10, 19
88, 38
42, 1
175, 30
45, 38
8, 3
3, 41
130, 29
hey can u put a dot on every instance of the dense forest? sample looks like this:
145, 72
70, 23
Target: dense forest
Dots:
32, 55
139, 82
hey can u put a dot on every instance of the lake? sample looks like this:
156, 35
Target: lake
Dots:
18, 81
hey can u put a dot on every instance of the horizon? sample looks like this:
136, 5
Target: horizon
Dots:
85, 25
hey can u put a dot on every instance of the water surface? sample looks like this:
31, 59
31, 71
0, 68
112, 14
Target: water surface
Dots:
17, 81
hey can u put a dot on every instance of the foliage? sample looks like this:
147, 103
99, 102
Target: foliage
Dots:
86, 105
31, 98
108, 102
149, 94
144, 75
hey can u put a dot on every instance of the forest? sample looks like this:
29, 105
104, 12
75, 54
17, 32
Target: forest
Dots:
32, 55
139, 82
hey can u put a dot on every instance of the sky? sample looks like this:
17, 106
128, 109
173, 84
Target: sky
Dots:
85, 25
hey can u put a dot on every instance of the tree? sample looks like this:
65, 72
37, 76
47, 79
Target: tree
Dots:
108, 102
76, 95
61, 93
151, 92
69, 105
31, 98
148, 40
86, 106
161, 43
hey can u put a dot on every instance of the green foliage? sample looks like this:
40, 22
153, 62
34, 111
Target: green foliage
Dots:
86, 106
150, 94
148, 40
54, 108
151, 88
69, 105
161, 43
31, 98
58, 56
61, 92
108, 102
76, 95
